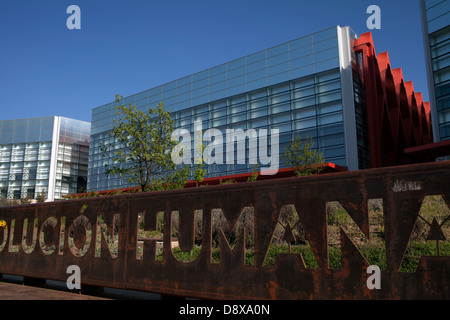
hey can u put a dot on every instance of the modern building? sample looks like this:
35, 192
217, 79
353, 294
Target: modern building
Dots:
393, 118
328, 85
436, 35
47, 155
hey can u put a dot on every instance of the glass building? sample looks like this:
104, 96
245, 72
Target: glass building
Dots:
304, 86
47, 156
436, 35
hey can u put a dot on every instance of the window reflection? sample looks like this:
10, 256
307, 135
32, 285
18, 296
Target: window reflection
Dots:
294, 87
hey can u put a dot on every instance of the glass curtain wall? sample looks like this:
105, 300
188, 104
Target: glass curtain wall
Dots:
436, 16
25, 152
26, 157
72, 158
294, 87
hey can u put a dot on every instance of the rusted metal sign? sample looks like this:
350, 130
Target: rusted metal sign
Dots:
115, 243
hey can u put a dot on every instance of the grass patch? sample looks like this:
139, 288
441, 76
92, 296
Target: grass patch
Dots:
417, 249
374, 251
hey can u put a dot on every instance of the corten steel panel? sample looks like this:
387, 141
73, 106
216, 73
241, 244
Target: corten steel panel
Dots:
401, 188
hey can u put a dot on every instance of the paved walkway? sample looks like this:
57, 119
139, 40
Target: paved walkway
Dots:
14, 291
12, 288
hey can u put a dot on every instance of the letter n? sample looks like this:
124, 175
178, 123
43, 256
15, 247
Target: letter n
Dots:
111, 236
351, 228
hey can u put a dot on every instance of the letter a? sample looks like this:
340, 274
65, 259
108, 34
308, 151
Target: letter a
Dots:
181, 153
374, 21
74, 21
73, 282
373, 282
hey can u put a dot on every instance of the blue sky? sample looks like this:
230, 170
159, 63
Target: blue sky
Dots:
125, 47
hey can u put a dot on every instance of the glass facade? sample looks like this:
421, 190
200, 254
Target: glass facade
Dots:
72, 158
294, 87
362, 133
31, 150
436, 29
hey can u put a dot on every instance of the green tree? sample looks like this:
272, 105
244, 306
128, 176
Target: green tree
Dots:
301, 156
198, 171
254, 175
41, 196
145, 140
